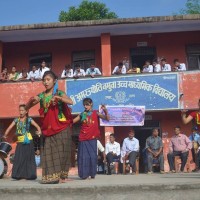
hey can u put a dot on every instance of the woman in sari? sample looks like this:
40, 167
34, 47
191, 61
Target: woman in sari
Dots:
56, 130
24, 166
87, 148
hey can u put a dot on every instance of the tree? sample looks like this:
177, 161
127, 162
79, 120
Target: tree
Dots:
87, 11
192, 7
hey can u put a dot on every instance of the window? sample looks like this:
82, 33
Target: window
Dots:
36, 59
193, 53
84, 58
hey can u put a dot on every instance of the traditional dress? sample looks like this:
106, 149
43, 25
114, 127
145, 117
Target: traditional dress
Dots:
24, 166
196, 118
87, 148
56, 140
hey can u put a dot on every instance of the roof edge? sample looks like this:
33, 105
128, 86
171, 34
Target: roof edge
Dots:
101, 22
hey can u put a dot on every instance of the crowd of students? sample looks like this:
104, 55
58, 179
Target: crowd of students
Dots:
156, 66
34, 74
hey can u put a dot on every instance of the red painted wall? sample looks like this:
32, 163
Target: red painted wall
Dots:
169, 45
14, 94
18, 53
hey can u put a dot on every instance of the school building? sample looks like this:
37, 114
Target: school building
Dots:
106, 43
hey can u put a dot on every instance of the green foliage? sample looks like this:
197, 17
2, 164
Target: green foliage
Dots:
87, 11
192, 7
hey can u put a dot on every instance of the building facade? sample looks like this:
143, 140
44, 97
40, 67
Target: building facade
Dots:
105, 43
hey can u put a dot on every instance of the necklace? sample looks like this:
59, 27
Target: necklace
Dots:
46, 101
21, 128
86, 117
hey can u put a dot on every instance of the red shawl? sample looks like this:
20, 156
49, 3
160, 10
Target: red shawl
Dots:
50, 121
90, 129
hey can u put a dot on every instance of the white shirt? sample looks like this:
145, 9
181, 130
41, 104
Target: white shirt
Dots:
81, 73
95, 71
67, 74
117, 68
157, 68
100, 147
20, 76
34, 75
166, 68
113, 147
130, 145
182, 67
42, 71
148, 69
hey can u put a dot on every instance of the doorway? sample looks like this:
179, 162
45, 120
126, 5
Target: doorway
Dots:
140, 54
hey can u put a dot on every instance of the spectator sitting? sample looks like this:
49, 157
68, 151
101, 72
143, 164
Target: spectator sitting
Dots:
147, 68
156, 66
119, 69
67, 72
43, 68
37, 158
198, 157
23, 75
134, 69
164, 66
179, 66
130, 149
14, 75
126, 63
93, 71
78, 71
112, 152
194, 137
101, 157
34, 74
178, 146
154, 147
4, 74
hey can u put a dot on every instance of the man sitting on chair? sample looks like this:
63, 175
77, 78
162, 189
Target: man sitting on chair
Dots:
130, 148
112, 152
178, 146
154, 148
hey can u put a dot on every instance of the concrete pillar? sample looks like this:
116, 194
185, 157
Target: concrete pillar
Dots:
108, 130
1, 55
106, 54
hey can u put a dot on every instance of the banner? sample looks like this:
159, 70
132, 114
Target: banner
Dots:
154, 91
124, 116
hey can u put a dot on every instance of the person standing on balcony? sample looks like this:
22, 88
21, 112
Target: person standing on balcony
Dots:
147, 68
4, 75
67, 72
87, 147
119, 69
78, 71
56, 121
14, 75
34, 74
43, 68
164, 66
93, 71
156, 66
24, 166
179, 66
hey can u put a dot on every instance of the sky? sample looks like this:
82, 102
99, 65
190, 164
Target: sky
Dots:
15, 12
